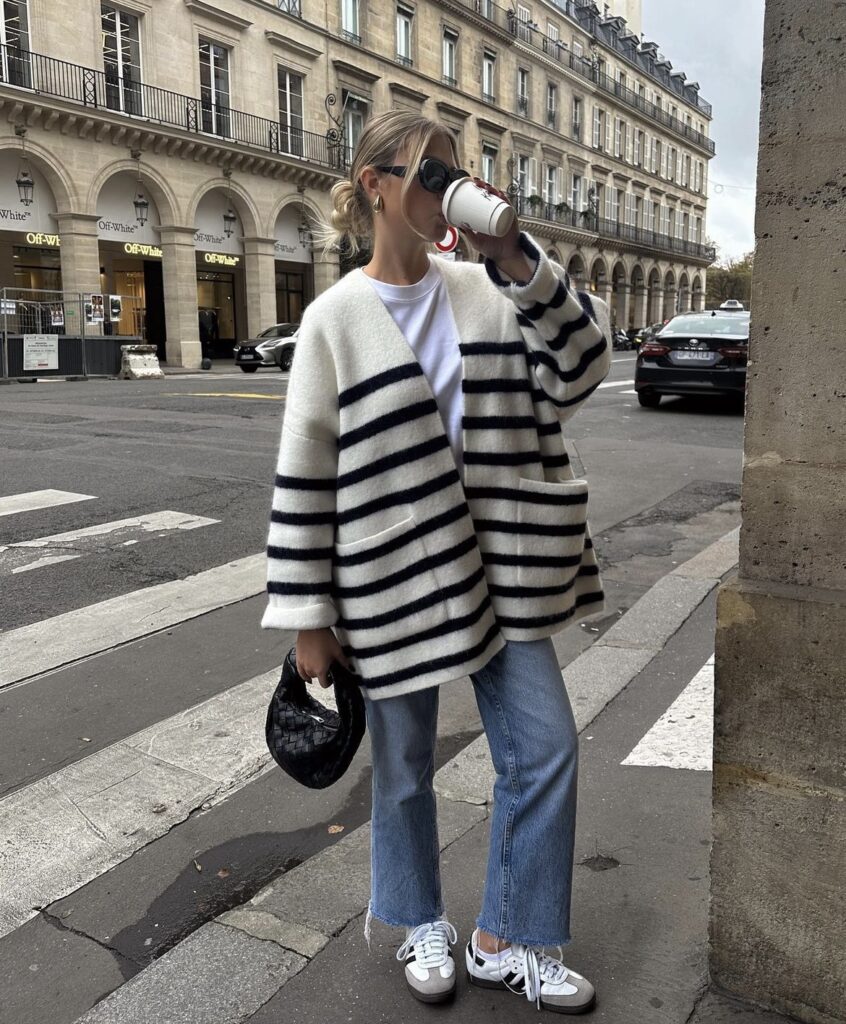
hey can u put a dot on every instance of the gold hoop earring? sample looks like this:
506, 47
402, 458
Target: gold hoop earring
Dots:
378, 204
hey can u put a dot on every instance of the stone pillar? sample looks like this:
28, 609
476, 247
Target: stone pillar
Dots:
622, 299
326, 271
260, 269
641, 313
179, 269
80, 252
778, 862
669, 307
656, 314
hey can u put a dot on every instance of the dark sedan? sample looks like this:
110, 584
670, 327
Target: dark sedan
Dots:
694, 354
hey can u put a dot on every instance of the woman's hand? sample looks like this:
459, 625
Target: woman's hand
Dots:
316, 649
505, 251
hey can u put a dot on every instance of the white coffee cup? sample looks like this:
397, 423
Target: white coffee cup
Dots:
466, 205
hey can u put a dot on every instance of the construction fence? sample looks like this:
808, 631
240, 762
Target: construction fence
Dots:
60, 334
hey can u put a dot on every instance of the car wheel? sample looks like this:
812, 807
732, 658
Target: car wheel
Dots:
648, 399
285, 359
249, 369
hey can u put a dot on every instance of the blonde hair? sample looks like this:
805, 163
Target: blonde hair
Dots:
384, 136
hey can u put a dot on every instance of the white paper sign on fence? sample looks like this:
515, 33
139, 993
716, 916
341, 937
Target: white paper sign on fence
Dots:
40, 352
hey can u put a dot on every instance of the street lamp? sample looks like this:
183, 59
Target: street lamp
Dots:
230, 218
303, 231
26, 186
142, 206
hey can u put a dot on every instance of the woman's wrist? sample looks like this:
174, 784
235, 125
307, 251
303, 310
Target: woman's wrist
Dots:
517, 266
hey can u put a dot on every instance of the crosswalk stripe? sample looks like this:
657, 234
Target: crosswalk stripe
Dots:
683, 736
616, 383
46, 645
26, 555
226, 394
31, 501
68, 828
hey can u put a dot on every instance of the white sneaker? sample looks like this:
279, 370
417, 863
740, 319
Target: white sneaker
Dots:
528, 971
429, 966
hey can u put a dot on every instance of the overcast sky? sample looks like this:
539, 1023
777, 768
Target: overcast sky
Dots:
718, 43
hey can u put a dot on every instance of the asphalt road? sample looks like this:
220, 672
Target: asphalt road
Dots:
664, 484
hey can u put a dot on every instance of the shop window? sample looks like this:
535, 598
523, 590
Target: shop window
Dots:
121, 59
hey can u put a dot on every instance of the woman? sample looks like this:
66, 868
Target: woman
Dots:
425, 511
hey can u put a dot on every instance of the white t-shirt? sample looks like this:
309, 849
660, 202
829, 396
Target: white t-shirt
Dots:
423, 313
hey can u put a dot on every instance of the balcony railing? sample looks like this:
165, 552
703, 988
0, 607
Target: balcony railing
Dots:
293, 7
146, 104
507, 20
586, 221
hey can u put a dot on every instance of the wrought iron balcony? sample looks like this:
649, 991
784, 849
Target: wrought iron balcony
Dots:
507, 20
149, 105
562, 215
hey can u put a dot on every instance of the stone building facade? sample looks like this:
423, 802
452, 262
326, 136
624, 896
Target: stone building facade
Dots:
175, 152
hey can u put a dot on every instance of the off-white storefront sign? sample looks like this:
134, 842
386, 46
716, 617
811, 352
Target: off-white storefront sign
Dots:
287, 245
211, 234
116, 217
39, 217
41, 352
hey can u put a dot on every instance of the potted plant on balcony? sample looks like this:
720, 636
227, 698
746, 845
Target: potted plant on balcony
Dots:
535, 202
561, 208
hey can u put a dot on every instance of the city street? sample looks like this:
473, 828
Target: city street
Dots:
115, 495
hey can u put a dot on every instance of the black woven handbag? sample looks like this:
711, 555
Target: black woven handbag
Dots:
313, 743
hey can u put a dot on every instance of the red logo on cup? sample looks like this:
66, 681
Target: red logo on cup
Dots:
448, 242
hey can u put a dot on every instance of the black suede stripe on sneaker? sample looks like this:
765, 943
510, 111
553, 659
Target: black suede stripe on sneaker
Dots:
411, 958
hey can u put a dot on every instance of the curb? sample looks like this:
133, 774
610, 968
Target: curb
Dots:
228, 968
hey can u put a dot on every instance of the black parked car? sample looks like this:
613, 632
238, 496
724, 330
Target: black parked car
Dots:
270, 348
694, 354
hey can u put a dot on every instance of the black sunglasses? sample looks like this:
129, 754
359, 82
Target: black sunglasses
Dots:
433, 174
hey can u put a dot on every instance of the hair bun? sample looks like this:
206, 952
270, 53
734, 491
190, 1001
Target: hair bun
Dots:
344, 201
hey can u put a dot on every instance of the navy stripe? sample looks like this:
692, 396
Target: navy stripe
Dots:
530, 529
538, 309
420, 604
492, 348
501, 458
563, 403
305, 483
568, 376
429, 664
555, 590
395, 418
442, 629
555, 461
408, 572
404, 497
498, 422
514, 494
323, 588
566, 331
494, 384
549, 428
299, 554
587, 305
552, 562
519, 622
398, 457
379, 380
302, 518
429, 526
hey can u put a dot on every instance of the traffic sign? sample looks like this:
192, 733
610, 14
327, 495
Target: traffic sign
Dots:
448, 242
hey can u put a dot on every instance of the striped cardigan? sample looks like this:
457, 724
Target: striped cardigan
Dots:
423, 576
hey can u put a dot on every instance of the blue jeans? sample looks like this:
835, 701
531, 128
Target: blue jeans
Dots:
533, 741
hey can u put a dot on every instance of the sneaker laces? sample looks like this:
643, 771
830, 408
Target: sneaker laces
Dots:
432, 940
537, 968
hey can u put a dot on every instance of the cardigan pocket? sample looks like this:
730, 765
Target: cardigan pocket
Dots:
551, 519
385, 589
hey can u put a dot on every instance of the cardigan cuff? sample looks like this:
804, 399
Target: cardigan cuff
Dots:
541, 285
312, 616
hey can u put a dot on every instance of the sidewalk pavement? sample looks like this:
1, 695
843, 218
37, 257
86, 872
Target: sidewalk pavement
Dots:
296, 951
